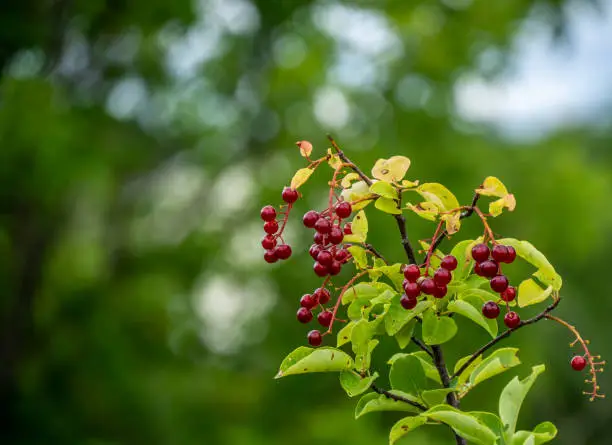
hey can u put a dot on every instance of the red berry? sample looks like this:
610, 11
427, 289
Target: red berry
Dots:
320, 269
270, 256
314, 251
268, 242
290, 195
310, 218
578, 362
509, 294
322, 225
348, 229
315, 338
488, 268
512, 319
335, 267
449, 263
440, 291
308, 301
499, 283
480, 252
499, 253
270, 227
304, 315
325, 318
408, 302
268, 213
342, 255
322, 295
477, 270
428, 286
319, 238
511, 256
412, 273
344, 209
490, 309
283, 251
442, 277
335, 235
412, 290
325, 258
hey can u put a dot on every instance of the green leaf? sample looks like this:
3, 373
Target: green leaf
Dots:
373, 402
384, 189
397, 317
360, 290
433, 397
394, 273
437, 330
466, 309
404, 426
361, 307
496, 363
461, 251
464, 424
363, 345
438, 195
428, 367
544, 432
492, 422
359, 255
353, 384
344, 334
482, 294
530, 292
359, 227
512, 398
300, 177
407, 375
465, 375
405, 334
387, 205
546, 272
304, 360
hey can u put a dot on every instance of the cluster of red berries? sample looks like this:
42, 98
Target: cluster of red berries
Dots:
308, 302
329, 234
273, 250
414, 284
488, 265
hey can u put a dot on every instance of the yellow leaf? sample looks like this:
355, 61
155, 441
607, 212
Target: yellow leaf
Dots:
300, 177
357, 191
530, 292
497, 206
305, 148
453, 222
387, 205
392, 169
439, 195
427, 210
409, 184
334, 160
359, 227
492, 187
348, 180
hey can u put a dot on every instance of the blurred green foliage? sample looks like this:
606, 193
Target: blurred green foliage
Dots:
138, 141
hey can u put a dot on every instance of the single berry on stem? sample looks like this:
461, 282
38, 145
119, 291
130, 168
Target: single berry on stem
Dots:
512, 319
344, 209
490, 309
442, 277
270, 256
412, 272
511, 256
322, 225
308, 301
320, 269
440, 291
315, 338
478, 270
310, 218
314, 251
271, 227
499, 283
500, 253
320, 239
578, 362
335, 267
412, 290
268, 213
428, 286
322, 295
325, 318
509, 294
335, 235
408, 302
342, 255
290, 195
449, 263
488, 268
283, 251
348, 229
268, 242
480, 252
325, 258
304, 315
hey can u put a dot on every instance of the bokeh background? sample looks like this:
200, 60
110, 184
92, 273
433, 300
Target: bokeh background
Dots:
139, 139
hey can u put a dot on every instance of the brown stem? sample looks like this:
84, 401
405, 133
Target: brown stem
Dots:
397, 398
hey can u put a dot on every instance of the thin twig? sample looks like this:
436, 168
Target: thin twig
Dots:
503, 335
370, 248
422, 345
397, 398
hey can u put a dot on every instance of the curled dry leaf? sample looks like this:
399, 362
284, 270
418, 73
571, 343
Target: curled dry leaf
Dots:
305, 148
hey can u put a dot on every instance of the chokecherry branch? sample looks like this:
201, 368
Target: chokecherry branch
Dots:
401, 221
397, 398
505, 334
370, 248
422, 345
337, 305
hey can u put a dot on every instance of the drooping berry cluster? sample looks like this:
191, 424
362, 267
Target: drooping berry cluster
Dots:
488, 265
273, 250
327, 251
414, 284
320, 297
